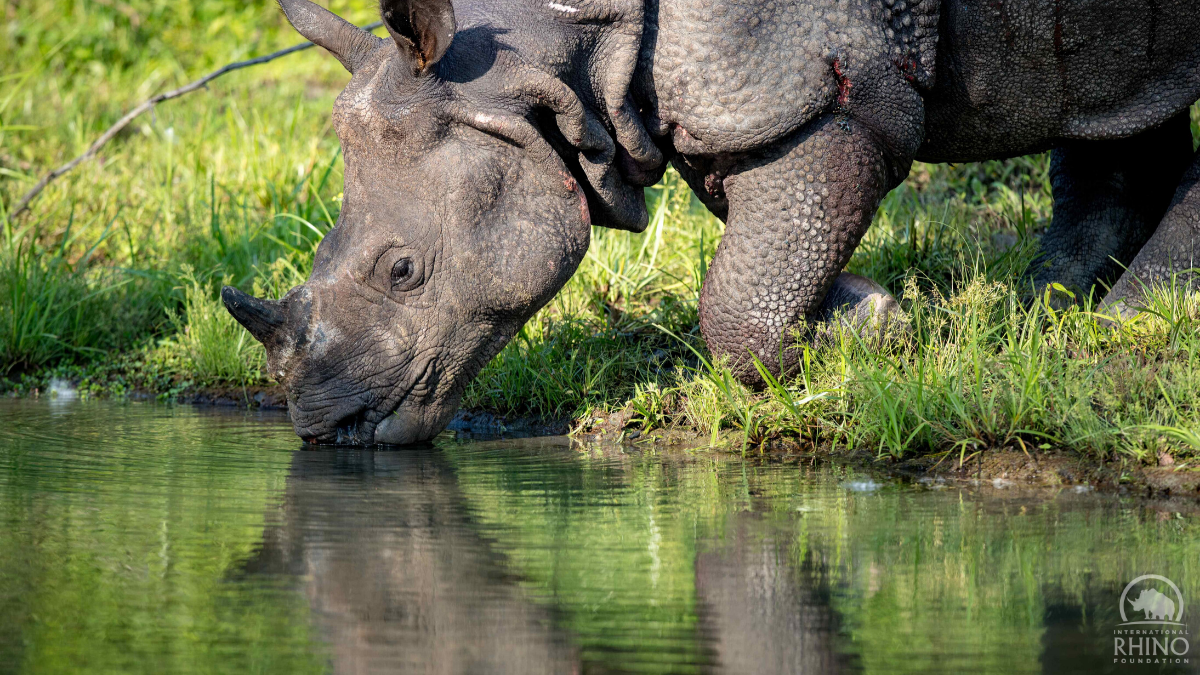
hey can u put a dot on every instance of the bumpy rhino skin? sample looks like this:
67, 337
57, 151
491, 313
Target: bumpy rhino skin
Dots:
483, 140
795, 219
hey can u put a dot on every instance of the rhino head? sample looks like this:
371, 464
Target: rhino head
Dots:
458, 223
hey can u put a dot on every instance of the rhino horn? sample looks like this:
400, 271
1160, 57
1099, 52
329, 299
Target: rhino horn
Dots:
347, 42
262, 318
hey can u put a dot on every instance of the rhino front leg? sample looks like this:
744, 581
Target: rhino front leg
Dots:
796, 214
1109, 197
1173, 249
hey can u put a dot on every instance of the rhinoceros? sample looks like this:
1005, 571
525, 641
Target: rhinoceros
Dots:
484, 138
1154, 604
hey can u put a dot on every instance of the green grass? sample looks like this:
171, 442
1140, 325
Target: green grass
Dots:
238, 182
214, 347
111, 279
56, 308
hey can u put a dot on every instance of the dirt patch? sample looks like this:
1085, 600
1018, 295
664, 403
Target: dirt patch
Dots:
1010, 468
999, 468
265, 397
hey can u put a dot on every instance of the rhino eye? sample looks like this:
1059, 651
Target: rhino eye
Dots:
402, 271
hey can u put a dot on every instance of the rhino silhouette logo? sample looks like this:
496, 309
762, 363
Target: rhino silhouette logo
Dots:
1157, 607
1154, 604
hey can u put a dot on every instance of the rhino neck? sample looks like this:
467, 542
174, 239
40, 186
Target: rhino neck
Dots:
566, 66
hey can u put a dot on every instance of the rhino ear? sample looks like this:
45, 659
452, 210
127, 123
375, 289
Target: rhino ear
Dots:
423, 29
347, 42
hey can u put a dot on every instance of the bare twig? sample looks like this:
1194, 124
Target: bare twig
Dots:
148, 104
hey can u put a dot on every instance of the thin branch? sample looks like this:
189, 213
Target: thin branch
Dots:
148, 104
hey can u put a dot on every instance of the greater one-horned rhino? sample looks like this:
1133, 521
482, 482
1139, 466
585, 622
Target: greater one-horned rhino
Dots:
482, 141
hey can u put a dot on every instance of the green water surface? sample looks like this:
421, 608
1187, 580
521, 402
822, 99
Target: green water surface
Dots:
140, 538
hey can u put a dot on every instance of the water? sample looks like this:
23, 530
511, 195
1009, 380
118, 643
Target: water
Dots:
139, 538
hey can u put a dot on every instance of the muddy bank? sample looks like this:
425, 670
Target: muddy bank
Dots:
1010, 468
1000, 468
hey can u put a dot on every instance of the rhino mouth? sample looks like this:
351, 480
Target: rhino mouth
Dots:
409, 420
354, 428
397, 422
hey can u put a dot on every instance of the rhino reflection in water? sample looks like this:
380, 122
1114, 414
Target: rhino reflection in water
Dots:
396, 578
762, 614
399, 580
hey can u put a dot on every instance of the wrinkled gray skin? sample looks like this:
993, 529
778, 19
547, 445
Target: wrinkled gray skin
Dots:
482, 141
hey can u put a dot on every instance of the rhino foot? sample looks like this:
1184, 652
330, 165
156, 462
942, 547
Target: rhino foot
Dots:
862, 305
1109, 198
1169, 258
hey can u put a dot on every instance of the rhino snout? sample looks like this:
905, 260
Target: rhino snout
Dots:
345, 424
396, 430
413, 424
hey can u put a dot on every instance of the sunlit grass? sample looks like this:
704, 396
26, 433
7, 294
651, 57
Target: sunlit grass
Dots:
228, 181
56, 308
214, 346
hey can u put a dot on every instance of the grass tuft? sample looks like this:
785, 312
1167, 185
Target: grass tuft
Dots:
214, 347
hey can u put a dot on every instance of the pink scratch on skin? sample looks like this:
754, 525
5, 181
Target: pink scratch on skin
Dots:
908, 67
573, 186
844, 83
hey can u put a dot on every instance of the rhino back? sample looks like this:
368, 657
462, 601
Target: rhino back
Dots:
1019, 76
741, 74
